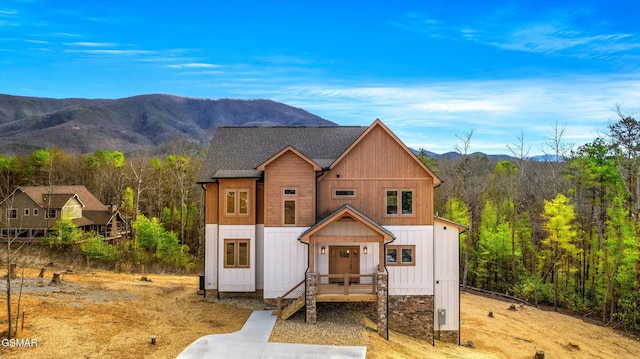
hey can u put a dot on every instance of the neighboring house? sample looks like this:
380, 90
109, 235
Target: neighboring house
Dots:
331, 214
30, 211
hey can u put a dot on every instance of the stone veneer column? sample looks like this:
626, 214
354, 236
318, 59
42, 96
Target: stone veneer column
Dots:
381, 290
311, 290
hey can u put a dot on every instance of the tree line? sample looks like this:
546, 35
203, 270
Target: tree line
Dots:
563, 231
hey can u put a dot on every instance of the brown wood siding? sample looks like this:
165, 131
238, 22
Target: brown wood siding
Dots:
289, 171
211, 203
375, 164
248, 184
260, 203
21, 201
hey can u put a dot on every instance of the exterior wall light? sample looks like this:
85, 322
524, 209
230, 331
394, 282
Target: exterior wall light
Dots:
364, 250
322, 250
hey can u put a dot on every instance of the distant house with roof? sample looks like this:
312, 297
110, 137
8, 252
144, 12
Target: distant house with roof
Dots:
341, 214
31, 211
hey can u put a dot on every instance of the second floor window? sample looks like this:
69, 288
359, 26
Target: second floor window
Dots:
50, 213
237, 202
12, 213
399, 202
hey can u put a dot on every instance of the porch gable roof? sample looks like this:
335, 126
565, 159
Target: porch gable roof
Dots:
342, 212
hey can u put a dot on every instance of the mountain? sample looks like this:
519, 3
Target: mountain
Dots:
146, 122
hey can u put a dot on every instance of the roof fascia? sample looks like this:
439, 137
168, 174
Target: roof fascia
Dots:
263, 165
337, 216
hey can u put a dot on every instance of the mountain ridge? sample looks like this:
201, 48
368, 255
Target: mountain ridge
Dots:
142, 122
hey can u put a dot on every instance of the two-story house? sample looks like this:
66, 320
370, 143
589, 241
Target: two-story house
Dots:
308, 215
30, 211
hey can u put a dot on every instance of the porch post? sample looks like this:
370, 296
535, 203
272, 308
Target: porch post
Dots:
310, 300
383, 318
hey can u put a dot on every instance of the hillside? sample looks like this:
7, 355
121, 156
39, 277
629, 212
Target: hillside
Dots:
146, 122
99, 314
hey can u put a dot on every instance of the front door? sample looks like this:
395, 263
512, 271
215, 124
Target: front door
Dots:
344, 259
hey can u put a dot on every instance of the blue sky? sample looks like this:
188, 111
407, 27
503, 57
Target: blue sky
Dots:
431, 70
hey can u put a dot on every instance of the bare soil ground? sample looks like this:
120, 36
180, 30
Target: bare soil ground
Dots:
112, 315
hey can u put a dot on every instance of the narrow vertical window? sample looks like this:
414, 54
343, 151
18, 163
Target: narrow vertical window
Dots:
231, 202
35, 212
243, 206
407, 202
230, 254
243, 254
289, 212
27, 211
392, 202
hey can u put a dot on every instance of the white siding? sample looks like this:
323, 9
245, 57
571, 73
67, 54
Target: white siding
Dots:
211, 256
447, 288
285, 259
418, 279
237, 279
260, 256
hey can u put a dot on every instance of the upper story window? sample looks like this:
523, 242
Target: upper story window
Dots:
27, 212
50, 213
12, 213
399, 202
344, 193
237, 202
289, 206
35, 212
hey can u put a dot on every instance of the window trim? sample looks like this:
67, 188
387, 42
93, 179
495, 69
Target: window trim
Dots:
399, 249
236, 252
294, 189
237, 193
27, 212
295, 212
47, 213
12, 213
399, 202
36, 212
344, 196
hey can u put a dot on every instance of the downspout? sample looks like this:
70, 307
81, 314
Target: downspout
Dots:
384, 248
433, 270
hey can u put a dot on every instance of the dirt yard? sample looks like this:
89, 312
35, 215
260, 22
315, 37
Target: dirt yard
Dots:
111, 315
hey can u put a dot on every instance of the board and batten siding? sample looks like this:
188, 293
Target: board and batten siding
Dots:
211, 203
285, 259
211, 256
418, 279
289, 171
375, 164
447, 282
237, 279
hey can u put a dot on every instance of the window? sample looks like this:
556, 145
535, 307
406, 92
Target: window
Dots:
349, 193
289, 212
399, 202
36, 212
12, 213
27, 211
50, 213
400, 255
237, 202
236, 253
231, 202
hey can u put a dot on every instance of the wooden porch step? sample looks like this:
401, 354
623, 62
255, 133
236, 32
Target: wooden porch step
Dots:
292, 308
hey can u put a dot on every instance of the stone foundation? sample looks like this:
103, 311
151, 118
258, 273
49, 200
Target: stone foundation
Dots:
383, 316
448, 336
412, 315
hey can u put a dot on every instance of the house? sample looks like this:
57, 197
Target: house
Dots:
307, 215
30, 211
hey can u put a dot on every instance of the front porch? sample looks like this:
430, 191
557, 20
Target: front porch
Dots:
346, 288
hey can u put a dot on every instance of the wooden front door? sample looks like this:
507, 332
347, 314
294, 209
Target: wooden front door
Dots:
344, 259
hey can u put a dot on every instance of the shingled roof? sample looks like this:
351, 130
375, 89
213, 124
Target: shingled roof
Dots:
235, 152
59, 195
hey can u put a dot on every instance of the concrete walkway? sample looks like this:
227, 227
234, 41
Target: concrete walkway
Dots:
251, 342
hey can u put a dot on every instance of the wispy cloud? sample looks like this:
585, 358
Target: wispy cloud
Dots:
91, 44
194, 65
